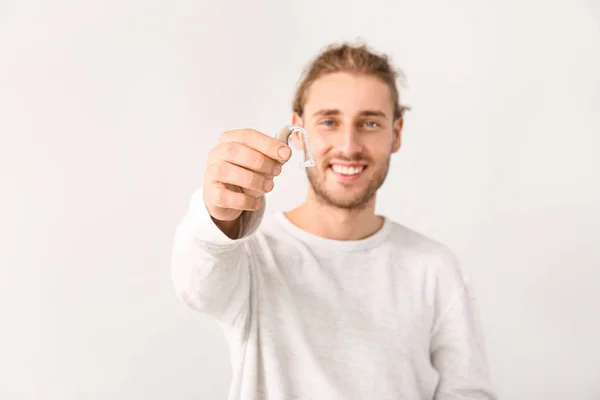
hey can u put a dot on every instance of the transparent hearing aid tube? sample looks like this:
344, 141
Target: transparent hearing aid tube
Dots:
284, 135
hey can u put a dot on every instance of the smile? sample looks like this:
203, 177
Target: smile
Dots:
347, 172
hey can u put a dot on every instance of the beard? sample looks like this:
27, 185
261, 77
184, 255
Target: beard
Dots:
349, 200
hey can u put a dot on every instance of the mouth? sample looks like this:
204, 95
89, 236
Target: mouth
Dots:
347, 172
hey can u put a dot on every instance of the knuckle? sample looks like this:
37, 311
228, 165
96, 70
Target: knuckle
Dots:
221, 169
260, 163
258, 182
224, 137
211, 154
246, 134
264, 143
211, 173
231, 149
250, 181
218, 197
243, 201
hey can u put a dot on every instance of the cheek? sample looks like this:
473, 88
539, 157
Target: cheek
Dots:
381, 156
318, 146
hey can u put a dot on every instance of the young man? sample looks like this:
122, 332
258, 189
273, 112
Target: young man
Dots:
329, 300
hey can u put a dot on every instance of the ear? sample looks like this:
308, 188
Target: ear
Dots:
297, 139
397, 132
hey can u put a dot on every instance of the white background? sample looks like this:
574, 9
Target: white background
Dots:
108, 110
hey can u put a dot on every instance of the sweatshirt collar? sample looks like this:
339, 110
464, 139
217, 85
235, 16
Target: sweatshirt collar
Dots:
348, 245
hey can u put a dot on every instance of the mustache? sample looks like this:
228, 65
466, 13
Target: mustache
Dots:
348, 158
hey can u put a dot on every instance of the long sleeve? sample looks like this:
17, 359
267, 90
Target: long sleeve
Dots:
210, 270
457, 344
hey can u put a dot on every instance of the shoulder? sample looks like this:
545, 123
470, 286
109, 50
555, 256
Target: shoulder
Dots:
428, 252
417, 243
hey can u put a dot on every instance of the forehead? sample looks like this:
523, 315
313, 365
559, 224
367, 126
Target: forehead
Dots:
349, 93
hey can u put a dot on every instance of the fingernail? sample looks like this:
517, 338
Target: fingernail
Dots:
276, 169
284, 152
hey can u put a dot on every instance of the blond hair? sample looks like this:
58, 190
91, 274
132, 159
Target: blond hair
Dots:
354, 58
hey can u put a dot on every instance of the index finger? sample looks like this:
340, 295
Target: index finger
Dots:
269, 146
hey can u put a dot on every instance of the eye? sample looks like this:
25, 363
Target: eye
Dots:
328, 122
371, 124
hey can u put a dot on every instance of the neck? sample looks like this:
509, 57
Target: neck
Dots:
336, 223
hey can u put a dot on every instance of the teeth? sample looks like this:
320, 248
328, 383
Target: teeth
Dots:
341, 169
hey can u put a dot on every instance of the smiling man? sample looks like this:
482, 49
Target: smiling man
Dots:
328, 300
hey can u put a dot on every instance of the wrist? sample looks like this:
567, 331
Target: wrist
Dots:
229, 228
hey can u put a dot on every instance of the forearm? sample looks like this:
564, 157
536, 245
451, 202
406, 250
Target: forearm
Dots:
209, 262
206, 275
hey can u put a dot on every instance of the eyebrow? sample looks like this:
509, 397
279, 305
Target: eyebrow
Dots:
364, 113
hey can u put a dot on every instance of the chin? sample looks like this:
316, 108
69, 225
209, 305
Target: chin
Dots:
344, 198
350, 203
351, 187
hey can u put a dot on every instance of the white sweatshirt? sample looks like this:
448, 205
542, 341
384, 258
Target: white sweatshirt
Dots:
386, 317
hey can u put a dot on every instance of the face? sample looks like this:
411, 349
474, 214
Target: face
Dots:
352, 134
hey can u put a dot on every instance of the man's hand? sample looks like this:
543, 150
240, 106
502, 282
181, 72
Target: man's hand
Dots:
240, 170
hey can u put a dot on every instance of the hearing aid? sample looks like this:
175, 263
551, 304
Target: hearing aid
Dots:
284, 136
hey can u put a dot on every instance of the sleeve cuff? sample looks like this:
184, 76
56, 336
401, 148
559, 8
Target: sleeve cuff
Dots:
207, 231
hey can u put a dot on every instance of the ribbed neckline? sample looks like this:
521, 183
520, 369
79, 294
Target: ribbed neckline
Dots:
347, 245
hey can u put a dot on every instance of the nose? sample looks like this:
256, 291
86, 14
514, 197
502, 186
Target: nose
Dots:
350, 142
